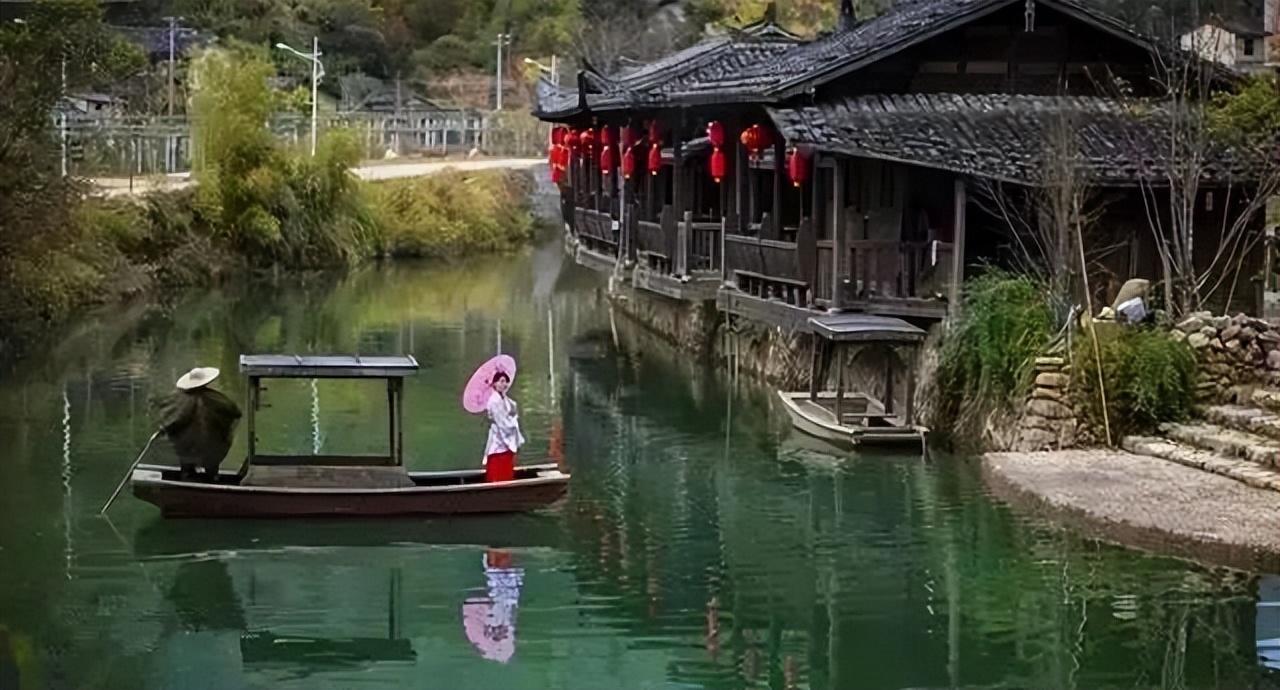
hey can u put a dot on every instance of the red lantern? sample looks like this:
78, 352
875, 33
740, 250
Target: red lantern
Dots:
718, 165
715, 133
629, 163
756, 138
571, 140
606, 136
606, 160
655, 159
629, 137
798, 166
655, 135
557, 135
556, 175
587, 140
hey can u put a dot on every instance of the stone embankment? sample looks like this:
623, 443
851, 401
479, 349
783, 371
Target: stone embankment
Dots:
1144, 502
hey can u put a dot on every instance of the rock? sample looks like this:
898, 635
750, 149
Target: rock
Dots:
1049, 362
1052, 380
1198, 340
1273, 360
1210, 331
1042, 393
1049, 409
1233, 345
1036, 439
1192, 324
1178, 336
1247, 334
1230, 332
1220, 322
1239, 319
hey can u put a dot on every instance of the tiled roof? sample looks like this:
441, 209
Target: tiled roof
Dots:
714, 59
1001, 137
763, 66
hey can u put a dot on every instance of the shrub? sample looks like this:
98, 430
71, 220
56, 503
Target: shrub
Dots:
1150, 379
453, 213
986, 356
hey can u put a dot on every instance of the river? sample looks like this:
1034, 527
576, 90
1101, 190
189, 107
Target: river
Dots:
702, 544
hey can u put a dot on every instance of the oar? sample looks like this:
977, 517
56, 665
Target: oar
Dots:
128, 474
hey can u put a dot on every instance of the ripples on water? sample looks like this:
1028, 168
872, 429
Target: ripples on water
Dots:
702, 544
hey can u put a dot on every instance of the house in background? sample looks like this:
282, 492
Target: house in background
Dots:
1243, 40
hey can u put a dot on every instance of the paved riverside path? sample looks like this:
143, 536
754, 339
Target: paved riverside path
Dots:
1144, 502
120, 186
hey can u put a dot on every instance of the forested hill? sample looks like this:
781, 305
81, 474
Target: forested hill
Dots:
414, 38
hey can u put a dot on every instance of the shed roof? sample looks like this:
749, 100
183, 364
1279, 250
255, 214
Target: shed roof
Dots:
997, 136
855, 327
328, 366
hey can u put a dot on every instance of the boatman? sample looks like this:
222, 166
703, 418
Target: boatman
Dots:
200, 422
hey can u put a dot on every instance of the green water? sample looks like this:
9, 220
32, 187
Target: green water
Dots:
701, 545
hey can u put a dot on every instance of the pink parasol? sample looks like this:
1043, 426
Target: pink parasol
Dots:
475, 397
489, 629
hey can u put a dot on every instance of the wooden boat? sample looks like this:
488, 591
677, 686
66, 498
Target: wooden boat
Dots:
328, 485
850, 418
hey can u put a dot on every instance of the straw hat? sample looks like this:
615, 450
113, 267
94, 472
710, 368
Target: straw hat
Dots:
197, 378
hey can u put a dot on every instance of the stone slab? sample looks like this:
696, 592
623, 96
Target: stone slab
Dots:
1144, 502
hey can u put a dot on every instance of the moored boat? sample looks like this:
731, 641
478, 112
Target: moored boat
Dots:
271, 486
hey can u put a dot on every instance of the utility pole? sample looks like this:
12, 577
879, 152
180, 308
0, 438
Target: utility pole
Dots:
315, 88
62, 117
173, 24
503, 39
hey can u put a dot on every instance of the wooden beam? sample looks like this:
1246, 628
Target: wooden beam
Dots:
957, 250
779, 155
838, 240
677, 171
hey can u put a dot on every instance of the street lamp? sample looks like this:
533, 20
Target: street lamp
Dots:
317, 71
555, 75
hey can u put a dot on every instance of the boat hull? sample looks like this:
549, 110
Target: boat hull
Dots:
185, 499
842, 435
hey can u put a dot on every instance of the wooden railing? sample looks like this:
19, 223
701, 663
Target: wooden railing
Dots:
767, 269
595, 229
704, 254
887, 268
822, 282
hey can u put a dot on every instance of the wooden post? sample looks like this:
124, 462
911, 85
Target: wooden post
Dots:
914, 354
677, 172
740, 173
957, 248
888, 381
250, 425
393, 451
683, 231
837, 234
779, 156
839, 362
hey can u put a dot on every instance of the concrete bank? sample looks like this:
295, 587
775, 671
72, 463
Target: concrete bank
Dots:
1144, 502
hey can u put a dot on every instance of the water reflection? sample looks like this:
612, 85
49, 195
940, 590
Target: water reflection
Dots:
702, 544
489, 622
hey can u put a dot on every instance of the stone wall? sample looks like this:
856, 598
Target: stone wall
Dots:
1048, 421
1236, 354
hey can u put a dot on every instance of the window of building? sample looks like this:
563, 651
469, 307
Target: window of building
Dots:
1250, 47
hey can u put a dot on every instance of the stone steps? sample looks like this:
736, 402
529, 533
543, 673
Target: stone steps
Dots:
1253, 420
1266, 399
1231, 443
1250, 473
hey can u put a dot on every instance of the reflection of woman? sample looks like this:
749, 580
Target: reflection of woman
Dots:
505, 438
490, 622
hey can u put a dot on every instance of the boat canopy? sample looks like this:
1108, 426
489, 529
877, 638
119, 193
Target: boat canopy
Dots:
865, 328
328, 366
391, 368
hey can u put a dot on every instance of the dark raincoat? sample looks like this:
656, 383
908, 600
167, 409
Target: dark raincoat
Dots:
200, 423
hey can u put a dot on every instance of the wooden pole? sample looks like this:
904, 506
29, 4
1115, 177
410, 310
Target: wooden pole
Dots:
957, 248
838, 248
779, 155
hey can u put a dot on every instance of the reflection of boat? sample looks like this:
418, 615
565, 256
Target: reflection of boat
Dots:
1267, 626
163, 538
265, 647
852, 418
379, 485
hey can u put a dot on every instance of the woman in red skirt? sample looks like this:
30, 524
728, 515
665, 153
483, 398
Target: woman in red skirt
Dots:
505, 438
